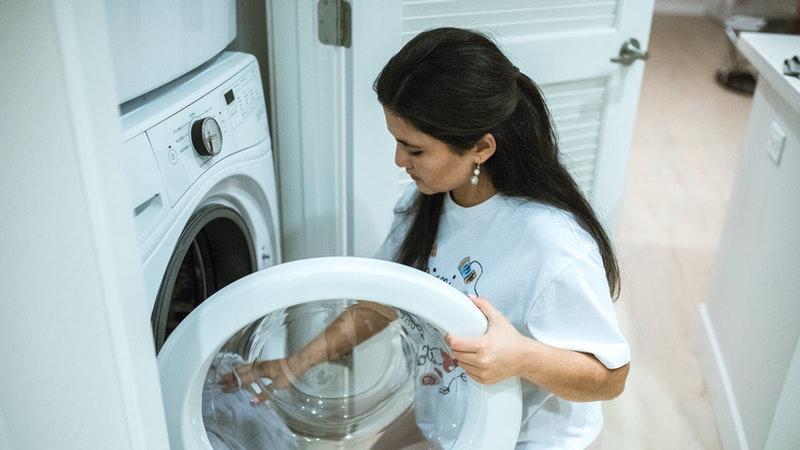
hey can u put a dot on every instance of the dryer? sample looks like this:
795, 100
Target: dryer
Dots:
153, 42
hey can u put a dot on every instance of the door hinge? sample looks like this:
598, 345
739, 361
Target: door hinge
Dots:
333, 22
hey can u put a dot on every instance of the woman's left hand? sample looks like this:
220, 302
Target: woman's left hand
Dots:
495, 356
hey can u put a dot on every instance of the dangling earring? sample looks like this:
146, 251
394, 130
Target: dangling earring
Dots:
475, 174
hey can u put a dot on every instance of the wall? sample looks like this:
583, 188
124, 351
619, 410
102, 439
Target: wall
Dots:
78, 368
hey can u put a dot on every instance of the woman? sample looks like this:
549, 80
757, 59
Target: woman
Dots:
494, 213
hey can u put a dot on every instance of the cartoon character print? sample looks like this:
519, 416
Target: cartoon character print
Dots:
437, 366
468, 269
448, 363
431, 378
434, 356
468, 272
444, 390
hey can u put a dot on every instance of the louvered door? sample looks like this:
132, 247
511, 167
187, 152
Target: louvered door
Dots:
577, 110
565, 46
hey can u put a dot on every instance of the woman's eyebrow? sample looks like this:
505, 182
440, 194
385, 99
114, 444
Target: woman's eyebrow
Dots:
406, 143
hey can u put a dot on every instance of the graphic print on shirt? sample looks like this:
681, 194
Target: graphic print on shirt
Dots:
469, 273
434, 364
469, 270
436, 367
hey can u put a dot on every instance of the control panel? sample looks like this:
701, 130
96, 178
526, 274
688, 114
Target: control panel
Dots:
230, 118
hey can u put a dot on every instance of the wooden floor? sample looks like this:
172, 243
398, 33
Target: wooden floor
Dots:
687, 141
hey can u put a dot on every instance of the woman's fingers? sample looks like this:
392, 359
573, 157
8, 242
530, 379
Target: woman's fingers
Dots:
465, 343
262, 396
486, 308
468, 366
240, 376
474, 373
279, 371
466, 358
474, 366
229, 382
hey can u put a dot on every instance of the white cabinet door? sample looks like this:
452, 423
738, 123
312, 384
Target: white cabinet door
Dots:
565, 46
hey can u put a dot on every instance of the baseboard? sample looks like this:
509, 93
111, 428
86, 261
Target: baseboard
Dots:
726, 411
681, 8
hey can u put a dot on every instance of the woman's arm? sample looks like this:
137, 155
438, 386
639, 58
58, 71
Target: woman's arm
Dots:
570, 375
503, 352
355, 325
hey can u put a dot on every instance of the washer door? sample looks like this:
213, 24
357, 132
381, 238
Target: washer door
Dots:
395, 389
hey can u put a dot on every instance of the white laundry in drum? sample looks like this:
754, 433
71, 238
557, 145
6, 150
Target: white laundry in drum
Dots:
230, 423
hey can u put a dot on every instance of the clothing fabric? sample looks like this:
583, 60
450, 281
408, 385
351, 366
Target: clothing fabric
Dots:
231, 422
544, 272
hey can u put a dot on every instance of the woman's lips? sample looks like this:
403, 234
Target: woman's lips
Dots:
412, 176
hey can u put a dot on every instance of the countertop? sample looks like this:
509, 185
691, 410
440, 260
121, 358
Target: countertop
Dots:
766, 53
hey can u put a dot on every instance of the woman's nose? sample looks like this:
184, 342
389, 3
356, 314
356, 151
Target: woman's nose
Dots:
401, 158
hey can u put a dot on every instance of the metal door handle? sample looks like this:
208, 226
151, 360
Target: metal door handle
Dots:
630, 52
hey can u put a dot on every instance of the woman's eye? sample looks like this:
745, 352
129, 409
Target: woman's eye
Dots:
414, 152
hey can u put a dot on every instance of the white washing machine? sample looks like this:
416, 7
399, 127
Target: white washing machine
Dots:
201, 172
200, 167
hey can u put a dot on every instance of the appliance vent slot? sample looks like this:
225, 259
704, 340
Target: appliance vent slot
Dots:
509, 18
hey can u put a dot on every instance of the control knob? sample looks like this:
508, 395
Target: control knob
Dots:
207, 137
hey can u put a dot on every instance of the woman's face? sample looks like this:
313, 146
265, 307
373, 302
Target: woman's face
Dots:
430, 162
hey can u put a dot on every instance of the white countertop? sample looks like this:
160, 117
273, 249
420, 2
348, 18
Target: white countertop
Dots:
766, 53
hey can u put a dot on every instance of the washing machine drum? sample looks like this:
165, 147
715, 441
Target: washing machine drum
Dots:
384, 380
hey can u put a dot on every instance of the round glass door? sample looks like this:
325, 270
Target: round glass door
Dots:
294, 357
335, 373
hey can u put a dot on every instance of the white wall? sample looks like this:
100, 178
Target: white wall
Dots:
78, 366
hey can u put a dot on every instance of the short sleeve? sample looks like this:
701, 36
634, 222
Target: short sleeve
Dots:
399, 227
575, 312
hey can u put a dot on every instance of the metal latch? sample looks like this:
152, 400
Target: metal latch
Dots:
630, 52
333, 21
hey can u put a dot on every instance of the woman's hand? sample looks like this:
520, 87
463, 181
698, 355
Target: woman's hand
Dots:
495, 356
503, 352
282, 372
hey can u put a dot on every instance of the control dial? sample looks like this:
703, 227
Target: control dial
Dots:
207, 137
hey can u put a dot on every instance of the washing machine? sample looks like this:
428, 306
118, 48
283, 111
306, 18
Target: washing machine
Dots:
199, 162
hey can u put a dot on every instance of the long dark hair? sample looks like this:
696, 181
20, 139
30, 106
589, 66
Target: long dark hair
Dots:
456, 85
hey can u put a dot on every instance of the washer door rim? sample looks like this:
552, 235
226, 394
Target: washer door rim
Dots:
196, 224
494, 412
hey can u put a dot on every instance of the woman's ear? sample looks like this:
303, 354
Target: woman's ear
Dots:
484, 148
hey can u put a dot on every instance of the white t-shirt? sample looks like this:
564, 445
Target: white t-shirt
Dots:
545, 274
